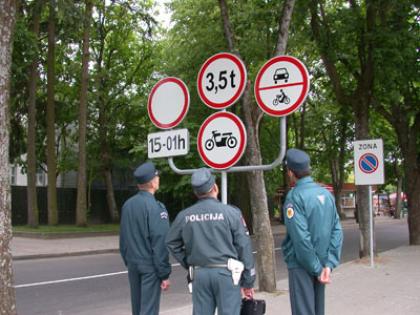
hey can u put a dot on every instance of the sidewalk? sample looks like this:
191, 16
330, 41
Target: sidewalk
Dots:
391, 288
31, 248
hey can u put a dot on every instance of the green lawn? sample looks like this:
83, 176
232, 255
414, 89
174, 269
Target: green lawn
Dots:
67, 228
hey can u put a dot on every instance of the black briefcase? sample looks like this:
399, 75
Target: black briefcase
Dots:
253, 307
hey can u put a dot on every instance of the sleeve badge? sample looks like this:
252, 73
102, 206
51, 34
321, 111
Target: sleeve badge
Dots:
290, 212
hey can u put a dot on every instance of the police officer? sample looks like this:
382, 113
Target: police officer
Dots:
313, 242
144, 225
208, 238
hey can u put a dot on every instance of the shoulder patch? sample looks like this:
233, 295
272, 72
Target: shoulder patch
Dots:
290, 212
321, 198
164, 215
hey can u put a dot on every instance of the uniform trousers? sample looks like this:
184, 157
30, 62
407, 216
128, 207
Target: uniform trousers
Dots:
145, 291
213, 288
307, 294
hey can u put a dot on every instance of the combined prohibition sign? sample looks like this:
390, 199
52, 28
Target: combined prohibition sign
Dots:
368, 163
281, 86
221, 80
221, 140
168, 103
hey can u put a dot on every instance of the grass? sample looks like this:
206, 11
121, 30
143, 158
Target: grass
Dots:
67, 228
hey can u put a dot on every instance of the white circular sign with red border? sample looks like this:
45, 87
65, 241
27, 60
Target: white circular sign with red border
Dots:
168, 103
281, 86
221, 140
221, 80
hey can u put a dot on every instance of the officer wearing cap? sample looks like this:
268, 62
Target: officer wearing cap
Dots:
313, 242
205, 238
144, 225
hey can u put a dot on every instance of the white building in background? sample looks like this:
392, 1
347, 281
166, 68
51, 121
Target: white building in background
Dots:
18, 177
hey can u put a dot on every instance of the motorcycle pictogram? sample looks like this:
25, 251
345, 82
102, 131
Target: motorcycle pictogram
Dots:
221, 140
281, 98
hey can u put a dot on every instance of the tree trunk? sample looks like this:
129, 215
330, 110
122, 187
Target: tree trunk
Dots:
266, 262
81, 208
110, 197
413, 198
398, 200
7, 291
33, 212
106, 159
408, 138
337, 163
362, 192
51, 158
260, 217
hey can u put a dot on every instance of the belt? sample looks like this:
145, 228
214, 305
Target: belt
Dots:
211, 266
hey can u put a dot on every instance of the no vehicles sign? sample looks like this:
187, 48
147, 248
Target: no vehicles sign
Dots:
368, 162
281, 86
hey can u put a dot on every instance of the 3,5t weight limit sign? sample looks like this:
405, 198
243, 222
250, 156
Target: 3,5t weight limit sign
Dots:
168, 143
221, 80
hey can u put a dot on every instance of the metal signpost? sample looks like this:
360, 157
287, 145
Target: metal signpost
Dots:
369, 170
280, 89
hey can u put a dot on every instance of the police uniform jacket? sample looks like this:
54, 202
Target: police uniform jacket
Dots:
144, 225
208, 234
314, 235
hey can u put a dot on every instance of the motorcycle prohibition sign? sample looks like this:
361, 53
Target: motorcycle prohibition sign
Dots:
221, 140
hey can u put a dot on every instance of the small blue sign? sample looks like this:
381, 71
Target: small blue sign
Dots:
368, 163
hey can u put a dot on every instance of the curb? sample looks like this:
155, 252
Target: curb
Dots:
38, 235
68, 254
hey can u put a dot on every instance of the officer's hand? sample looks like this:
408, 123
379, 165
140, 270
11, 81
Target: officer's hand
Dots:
248, 293
165, 284
324, 277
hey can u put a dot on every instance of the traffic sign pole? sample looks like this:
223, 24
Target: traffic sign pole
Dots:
224, 187
369, 170
224, 183
372, 263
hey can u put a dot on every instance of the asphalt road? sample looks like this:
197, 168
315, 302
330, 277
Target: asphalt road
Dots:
98, 284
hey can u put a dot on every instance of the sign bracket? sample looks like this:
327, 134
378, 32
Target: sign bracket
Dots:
245, 168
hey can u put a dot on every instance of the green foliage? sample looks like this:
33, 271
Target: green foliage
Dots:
130, 53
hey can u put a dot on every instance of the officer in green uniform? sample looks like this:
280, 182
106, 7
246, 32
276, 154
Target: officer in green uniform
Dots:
312, 247
208, 238
144, 225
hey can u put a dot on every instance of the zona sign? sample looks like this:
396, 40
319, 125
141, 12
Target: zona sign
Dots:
281, 86
221, 140
168, 103
221, 80
368, 162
